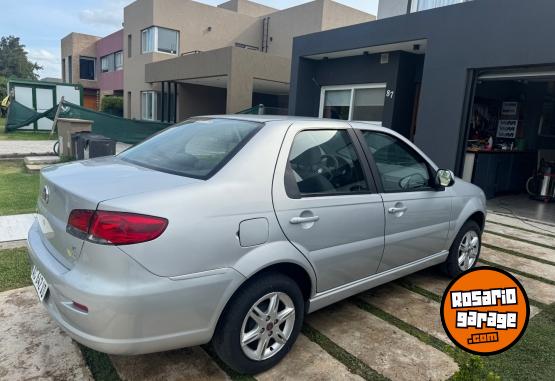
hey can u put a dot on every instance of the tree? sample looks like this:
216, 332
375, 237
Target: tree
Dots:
14, 61
3, 87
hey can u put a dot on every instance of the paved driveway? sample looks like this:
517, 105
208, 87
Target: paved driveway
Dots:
369, 336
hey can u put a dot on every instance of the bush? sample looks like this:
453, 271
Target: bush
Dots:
112, 104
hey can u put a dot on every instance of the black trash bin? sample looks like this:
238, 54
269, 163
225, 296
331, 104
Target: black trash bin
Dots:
97, 146
78, 144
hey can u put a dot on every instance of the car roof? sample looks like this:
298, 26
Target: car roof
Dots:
285, 118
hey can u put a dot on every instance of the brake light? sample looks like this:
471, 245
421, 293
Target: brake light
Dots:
115, 228
79, 220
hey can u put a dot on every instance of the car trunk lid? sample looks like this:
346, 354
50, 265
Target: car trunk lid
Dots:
83, 185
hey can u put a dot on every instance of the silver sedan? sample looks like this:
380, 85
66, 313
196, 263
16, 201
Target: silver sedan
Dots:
231, 228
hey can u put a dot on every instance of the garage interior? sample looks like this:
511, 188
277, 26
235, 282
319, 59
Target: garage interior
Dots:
511, 139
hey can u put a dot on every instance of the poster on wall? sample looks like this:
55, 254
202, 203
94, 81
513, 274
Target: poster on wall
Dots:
509, 109
506, 129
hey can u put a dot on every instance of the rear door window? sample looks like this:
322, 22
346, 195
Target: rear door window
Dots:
196, 148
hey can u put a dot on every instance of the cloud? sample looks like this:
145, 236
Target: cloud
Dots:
107, 13
49, 60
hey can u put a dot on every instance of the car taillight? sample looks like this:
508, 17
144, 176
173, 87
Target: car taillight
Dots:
115, 228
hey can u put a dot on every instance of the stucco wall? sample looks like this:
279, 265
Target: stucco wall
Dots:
113, 80
76, 45
247, 7
390, 8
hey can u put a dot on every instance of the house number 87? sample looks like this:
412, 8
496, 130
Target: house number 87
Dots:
389, 94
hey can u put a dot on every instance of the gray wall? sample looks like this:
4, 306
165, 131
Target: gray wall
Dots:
390, 8
473, 35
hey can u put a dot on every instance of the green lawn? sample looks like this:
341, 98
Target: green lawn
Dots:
18, 188
15, 271
22, 135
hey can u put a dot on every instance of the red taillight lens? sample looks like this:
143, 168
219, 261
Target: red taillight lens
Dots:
79, 220
118, 228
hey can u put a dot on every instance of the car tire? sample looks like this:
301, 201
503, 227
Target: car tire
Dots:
239, 319
465, 250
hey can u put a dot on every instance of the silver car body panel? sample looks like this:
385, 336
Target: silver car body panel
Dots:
170, 292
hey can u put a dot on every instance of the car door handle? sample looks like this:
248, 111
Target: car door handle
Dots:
303, 220
400, 209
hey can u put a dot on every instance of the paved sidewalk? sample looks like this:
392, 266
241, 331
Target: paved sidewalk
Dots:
15, 228
21, 148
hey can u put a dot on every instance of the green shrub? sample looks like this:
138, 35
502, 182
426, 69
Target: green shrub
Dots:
112, 104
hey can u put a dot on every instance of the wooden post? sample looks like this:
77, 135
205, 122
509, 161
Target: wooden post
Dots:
56, 116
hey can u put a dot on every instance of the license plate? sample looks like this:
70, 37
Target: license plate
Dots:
39, 282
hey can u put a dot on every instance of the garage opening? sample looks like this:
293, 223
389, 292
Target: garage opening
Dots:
510, 150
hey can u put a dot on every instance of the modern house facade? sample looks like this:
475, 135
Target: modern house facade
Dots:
183, 58
95, 63
472, 84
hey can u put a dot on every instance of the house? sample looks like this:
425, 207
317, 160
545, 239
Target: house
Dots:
95, 63
471, 83
183, 58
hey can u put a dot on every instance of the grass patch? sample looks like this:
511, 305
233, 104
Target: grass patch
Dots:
15, 271
99, 364
18, 188
23, 135
533, 357
351, 362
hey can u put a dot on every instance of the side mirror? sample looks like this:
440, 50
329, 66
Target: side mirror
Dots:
444, 178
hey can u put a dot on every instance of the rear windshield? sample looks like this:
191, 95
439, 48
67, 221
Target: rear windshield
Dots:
196, 148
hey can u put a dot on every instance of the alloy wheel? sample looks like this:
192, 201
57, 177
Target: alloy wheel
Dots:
267, 326
468, 250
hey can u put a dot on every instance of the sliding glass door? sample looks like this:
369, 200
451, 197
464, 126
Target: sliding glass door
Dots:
353, 102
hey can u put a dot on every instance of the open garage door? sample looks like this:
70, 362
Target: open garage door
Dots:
511, 138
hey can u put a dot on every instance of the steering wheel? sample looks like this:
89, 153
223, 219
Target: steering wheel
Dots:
325, 168
406, 182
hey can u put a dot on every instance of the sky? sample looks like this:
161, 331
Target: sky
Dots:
42, 24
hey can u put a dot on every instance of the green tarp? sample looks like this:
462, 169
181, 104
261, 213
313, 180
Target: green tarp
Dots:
116, 128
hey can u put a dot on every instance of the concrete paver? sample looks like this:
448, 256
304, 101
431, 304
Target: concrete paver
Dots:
308, 361
33, 347
15, 228
382, 346
521, 234
519, 247
521, 223
183, 364
522, 264
410, 307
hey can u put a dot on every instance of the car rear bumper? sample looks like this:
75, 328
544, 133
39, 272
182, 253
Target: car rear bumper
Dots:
130, 310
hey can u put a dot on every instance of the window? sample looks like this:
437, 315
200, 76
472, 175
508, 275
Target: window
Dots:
107, 63
86, 68
64, 69
129, 45
128, 105
324, 162
111, 62
149, 105
69, 69
195, 148
401, 169
421, 5
162, 40
361, 102
118, 57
